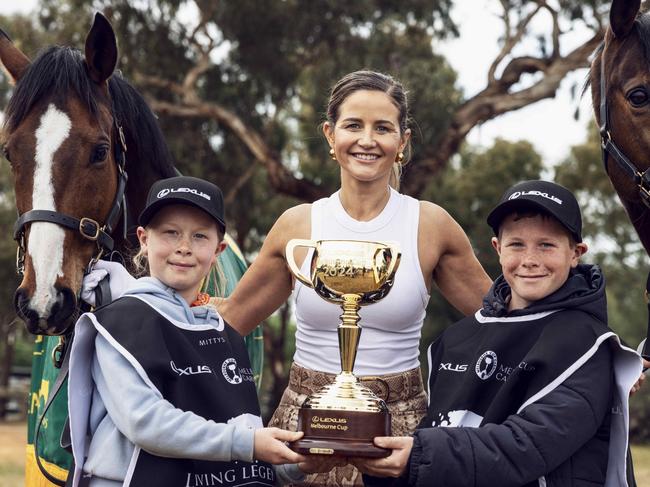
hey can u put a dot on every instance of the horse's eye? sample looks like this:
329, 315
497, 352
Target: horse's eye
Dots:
5, 152
99, 154
638, 97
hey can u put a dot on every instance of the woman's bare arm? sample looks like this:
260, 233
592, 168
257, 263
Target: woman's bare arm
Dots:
455, 269
267, 283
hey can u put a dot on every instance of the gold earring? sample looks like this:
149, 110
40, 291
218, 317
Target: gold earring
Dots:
400, 158
332, 154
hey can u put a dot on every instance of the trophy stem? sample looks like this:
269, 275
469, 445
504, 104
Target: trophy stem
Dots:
349, 331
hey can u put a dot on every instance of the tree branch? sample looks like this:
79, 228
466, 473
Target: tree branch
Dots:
555, 33
158, 82
207, 11
495, 100
190, 93
241, 181
510, 40
280, 178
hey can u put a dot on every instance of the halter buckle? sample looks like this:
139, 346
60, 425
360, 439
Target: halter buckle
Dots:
89, 229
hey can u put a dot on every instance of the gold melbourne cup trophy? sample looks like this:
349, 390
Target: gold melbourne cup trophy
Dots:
342, 418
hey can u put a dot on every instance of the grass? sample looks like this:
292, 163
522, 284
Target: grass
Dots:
641, 456
13, 437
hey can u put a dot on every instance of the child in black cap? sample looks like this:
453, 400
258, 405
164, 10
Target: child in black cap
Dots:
161, 390
532, 390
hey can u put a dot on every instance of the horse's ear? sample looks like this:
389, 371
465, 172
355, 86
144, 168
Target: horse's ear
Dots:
101, 49
622, 15
13, 60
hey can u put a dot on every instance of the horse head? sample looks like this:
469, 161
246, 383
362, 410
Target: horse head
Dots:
60, 138
620, 88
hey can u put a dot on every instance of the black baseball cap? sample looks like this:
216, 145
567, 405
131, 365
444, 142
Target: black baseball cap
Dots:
184, 190
549, 197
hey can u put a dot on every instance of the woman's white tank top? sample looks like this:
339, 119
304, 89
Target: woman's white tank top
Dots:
391, 328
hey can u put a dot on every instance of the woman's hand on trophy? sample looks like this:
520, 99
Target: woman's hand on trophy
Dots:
270, 446
391, 466
321, 463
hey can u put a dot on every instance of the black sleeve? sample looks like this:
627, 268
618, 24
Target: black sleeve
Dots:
526, 445
370, 481
401, 481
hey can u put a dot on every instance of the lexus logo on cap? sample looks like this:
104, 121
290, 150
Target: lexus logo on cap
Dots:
517, 194
164, 192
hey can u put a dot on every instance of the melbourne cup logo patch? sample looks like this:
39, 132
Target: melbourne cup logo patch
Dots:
517, 194
235, 374
230, 371
486, 365
164, 192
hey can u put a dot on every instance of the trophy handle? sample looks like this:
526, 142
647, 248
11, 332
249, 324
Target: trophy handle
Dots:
289, 250
395, 256
394, 261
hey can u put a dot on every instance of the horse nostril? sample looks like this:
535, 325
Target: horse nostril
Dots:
21, 306
20, 301
64, 307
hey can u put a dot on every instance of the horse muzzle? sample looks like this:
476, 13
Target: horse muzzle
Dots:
58, 317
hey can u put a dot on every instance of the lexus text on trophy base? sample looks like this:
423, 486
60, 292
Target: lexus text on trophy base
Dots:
342, 418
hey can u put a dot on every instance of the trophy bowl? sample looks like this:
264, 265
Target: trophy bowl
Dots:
342, 418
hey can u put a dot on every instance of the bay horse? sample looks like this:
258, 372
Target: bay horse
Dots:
620, 89
73, 129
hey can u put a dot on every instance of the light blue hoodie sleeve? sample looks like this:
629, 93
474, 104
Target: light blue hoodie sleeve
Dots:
153, 423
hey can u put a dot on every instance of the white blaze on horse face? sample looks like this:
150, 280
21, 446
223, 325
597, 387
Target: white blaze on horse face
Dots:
45, 244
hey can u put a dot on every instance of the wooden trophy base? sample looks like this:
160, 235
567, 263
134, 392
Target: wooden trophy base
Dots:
340, 432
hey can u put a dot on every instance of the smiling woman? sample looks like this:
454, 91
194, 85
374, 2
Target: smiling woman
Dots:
366, 141
367, 123
367, 133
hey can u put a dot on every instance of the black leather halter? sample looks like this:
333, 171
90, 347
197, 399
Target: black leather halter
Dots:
87, 227
640, 178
